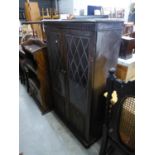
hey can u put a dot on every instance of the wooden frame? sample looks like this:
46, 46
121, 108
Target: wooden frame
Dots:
113, 112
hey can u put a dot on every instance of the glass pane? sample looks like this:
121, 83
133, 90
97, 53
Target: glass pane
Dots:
78, 70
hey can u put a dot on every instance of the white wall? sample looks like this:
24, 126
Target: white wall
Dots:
65, 6
78, 5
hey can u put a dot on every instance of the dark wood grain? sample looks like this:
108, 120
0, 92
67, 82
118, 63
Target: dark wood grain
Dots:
80, 54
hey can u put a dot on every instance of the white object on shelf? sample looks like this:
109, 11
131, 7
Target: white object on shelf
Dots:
126, 62
97, 12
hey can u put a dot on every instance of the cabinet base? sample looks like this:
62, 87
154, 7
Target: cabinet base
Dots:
85, 143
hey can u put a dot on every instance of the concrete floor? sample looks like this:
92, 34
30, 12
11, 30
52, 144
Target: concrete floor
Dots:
46, 134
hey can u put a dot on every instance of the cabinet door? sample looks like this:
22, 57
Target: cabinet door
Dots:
79, 47
57, 70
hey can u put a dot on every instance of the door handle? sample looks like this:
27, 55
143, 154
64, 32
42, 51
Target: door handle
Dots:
63, 71
56, 41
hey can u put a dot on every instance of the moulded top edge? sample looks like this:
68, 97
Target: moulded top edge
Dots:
94, 20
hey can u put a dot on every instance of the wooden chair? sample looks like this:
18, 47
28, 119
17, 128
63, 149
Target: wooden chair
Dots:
119, 128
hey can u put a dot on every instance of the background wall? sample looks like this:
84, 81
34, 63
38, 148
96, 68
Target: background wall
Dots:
74, 6
66, 6
106, 4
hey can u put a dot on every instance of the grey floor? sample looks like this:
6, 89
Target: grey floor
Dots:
46, 134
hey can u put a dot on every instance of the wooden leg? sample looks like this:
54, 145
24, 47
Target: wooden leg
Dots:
104, 141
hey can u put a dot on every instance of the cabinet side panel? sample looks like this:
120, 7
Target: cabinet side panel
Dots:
107, 51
